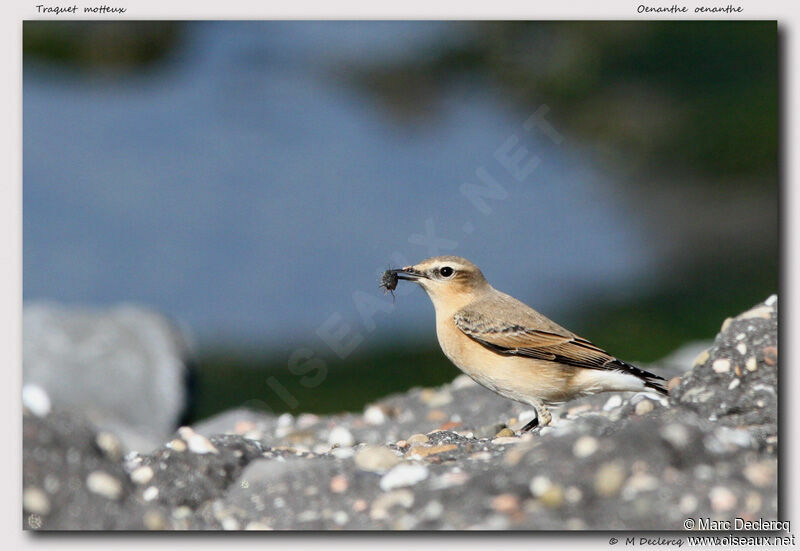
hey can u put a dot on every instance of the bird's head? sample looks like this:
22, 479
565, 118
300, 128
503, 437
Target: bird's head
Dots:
450, 281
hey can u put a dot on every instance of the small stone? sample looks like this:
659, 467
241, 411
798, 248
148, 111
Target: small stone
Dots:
722, 499
178, 445
35, 500
751, 364
644, 407
760, 474
573, 494
722, 365
675, 434
741, 348
402, 476
142, 475
110, 445
436, 415
256, 525
359, 505
376, 459
340, 518
36, 400
343, 453
764, 312
440, 399
200, 444
614, 402
701, 358
401, 444
734, 384
104, 484
154, 520
181, 512
425, 451
340, 436
374, 415
585, 446
504, 433
505, 503
150, 493
230, 523
417, 439
503, 440
553, 497
609, 479
539, 485
688, 504
770, 355
673, 383
450, 425
382, 506
339, 484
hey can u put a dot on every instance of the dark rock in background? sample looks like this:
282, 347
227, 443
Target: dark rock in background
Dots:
447, 458
123, 368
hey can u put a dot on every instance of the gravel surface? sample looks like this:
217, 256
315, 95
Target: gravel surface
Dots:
441, 458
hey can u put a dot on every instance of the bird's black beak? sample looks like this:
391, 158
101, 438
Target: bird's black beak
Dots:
408, 273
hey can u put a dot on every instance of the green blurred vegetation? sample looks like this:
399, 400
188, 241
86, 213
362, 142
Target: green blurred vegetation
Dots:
105, 45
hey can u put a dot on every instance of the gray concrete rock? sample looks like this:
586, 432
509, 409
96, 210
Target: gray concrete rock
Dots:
123, 368
446, 458
735, 382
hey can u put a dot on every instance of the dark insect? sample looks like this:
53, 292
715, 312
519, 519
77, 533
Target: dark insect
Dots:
389, 281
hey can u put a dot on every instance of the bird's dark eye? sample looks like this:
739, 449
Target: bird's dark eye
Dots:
447, 271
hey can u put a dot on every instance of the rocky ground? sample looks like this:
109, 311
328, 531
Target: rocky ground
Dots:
443, 458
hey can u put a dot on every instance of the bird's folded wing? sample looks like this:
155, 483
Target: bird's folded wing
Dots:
518, 340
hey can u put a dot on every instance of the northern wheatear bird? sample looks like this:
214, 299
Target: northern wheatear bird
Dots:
511, 348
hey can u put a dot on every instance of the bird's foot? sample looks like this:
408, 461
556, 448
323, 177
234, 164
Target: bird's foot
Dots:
542, 419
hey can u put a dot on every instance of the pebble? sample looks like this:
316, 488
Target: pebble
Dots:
721, 365
142, 475
734, 383
722, 499
102, 483
673, 383
359, 505
505, 503
230, 523
153, 520
339, 484
675, 434
374, 415
701, 358
376, 459
36, 400
340, 518
644, 407
553, 497
751, 364
585, 445
573, 494
502, 440
340, 436
402, 476
417, 439
199, 444
181, 512
177, 445
609, 479
770, 355
256, 525
504, 433
150, 493
436, 415
760, 474
425, 451
688, 504
35, 500
613, 402
384, 503
110, 445
741, 348
343, 453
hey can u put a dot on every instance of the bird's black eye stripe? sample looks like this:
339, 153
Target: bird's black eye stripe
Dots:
446, 271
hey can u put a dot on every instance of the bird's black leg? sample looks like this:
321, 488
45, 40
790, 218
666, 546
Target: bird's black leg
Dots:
532, 424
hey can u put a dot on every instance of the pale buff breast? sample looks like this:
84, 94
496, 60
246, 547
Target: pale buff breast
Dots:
523, 379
